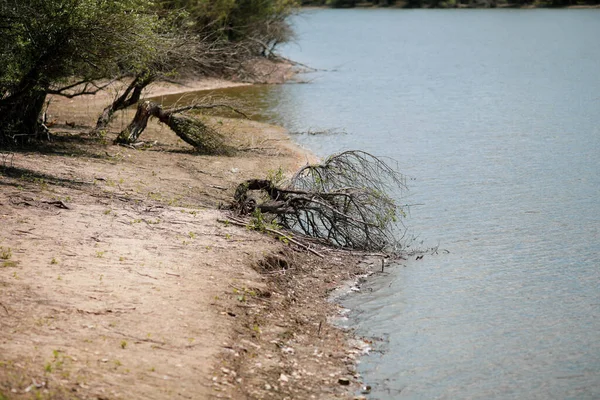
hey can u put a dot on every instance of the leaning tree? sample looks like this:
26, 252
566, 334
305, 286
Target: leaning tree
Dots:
206, 38
66, 47
192, 130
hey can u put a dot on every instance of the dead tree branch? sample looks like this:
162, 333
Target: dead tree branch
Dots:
347, 201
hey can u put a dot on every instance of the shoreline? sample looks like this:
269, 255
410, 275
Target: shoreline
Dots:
460, 7
134, 289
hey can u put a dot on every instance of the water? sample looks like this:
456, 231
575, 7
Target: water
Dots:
495, 116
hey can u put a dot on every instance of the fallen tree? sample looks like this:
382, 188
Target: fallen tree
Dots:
191, 130
346, 201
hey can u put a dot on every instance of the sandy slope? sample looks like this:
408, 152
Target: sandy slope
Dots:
118, 281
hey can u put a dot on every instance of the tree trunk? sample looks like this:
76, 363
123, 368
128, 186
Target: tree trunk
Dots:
191, 130
20, 118
130, 96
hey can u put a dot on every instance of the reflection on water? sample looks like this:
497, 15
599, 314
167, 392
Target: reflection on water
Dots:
495, 115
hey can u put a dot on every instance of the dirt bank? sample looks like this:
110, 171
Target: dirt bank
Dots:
117, 280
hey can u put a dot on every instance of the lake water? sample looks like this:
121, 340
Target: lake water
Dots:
495, 117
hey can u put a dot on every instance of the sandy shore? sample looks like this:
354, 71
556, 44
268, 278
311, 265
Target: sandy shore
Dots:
118, 280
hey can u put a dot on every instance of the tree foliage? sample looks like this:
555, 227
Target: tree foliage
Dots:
48, 46
69, 46
261, 21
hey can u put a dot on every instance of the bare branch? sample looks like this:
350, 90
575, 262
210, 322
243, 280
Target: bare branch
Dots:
82, 91
347, 201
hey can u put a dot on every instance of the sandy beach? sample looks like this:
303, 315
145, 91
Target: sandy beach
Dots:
119, 278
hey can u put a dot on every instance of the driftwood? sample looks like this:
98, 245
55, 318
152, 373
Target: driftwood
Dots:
191, 130
347, 201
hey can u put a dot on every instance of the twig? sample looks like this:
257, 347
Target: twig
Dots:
172, 273
58, 203
5, 309
218, 187
295, 242
137, 338
149, 276
276, 232
233, 221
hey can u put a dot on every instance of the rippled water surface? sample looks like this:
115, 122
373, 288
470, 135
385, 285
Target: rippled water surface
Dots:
495, 117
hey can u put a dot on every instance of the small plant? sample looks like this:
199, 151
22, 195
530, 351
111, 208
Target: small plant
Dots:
9, 263
100, 254
174, 201
276, 176
260, 223
284, 240
5, 253
192, 235
48, 367
155, 196
243, 293
227, 236
123, 344
53, 261
122, 259
107, 212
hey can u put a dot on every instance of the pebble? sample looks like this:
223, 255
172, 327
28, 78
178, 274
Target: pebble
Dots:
344, 381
